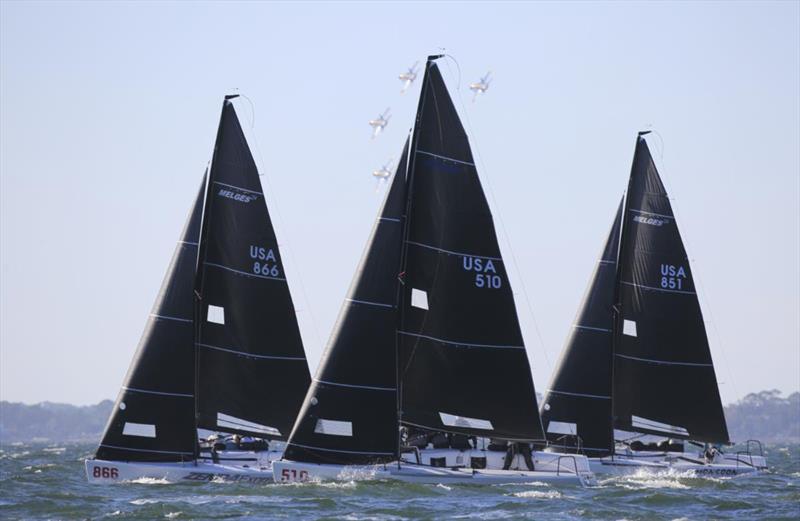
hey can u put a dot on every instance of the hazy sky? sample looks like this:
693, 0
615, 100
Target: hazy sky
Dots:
108, 113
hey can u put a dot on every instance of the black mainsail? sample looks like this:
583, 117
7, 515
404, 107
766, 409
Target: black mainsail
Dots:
664, 379
429, 334
153, 417
251, 372
577, 407
462, 361
349, 415
638, 358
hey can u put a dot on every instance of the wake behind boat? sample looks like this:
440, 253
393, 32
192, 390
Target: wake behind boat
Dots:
221, 350
637, 362
427, 354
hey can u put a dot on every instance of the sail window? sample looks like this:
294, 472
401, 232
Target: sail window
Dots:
629, 328
145, 430
216, 314
453, 420
419, 298
562, 428
334, 427
232, 422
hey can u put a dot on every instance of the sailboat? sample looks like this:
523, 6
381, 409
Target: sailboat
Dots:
221, 350
428, 342
637, 360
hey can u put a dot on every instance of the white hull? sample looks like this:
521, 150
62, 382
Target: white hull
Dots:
722, 465
245, 467
550, 468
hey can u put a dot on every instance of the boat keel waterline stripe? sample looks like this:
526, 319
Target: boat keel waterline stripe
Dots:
353, 386
369, 303
581, 395
663, 362
462, 344
651, 288
589, 328
176, 319
445, 158
240, 272
181, 395
460, 254
339, 450
251, 355
238, 188
146, 450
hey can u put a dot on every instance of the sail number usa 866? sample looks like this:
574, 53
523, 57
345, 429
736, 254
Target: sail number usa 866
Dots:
265, 263
485, 273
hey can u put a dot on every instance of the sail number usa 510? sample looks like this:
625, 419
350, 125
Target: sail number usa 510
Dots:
485, 273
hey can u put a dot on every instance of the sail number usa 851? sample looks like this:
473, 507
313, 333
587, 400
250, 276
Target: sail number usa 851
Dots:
485, 273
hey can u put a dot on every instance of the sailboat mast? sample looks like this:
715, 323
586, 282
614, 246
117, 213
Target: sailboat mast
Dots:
412, 159
617, 302
202, 251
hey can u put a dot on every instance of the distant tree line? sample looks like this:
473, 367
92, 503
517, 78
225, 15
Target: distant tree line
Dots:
765, 416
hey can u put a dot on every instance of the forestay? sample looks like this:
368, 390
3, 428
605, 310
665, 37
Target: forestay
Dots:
349, 415
578, 402
153, 417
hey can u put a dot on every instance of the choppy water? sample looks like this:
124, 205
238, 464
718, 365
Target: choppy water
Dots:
47, 482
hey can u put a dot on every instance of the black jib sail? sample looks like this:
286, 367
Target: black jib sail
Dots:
251, 371
462, 361
577, 408
664, 380
153, 417
350, 412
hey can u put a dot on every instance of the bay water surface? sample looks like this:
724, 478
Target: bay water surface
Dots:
41, 481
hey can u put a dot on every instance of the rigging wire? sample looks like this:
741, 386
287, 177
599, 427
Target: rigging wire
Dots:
703, 292
281, 223
499, 213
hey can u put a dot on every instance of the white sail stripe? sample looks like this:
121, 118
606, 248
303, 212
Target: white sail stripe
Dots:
465, 344
392, 219
658, 289
445, 157
238, 188
370, 303
454, 252
251, 355
602, 261
652, 213
146, 450
372, 387
242, 272
581, 395
182, 395
600, 329
188, 242
340, 450
165, 317
663, 362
